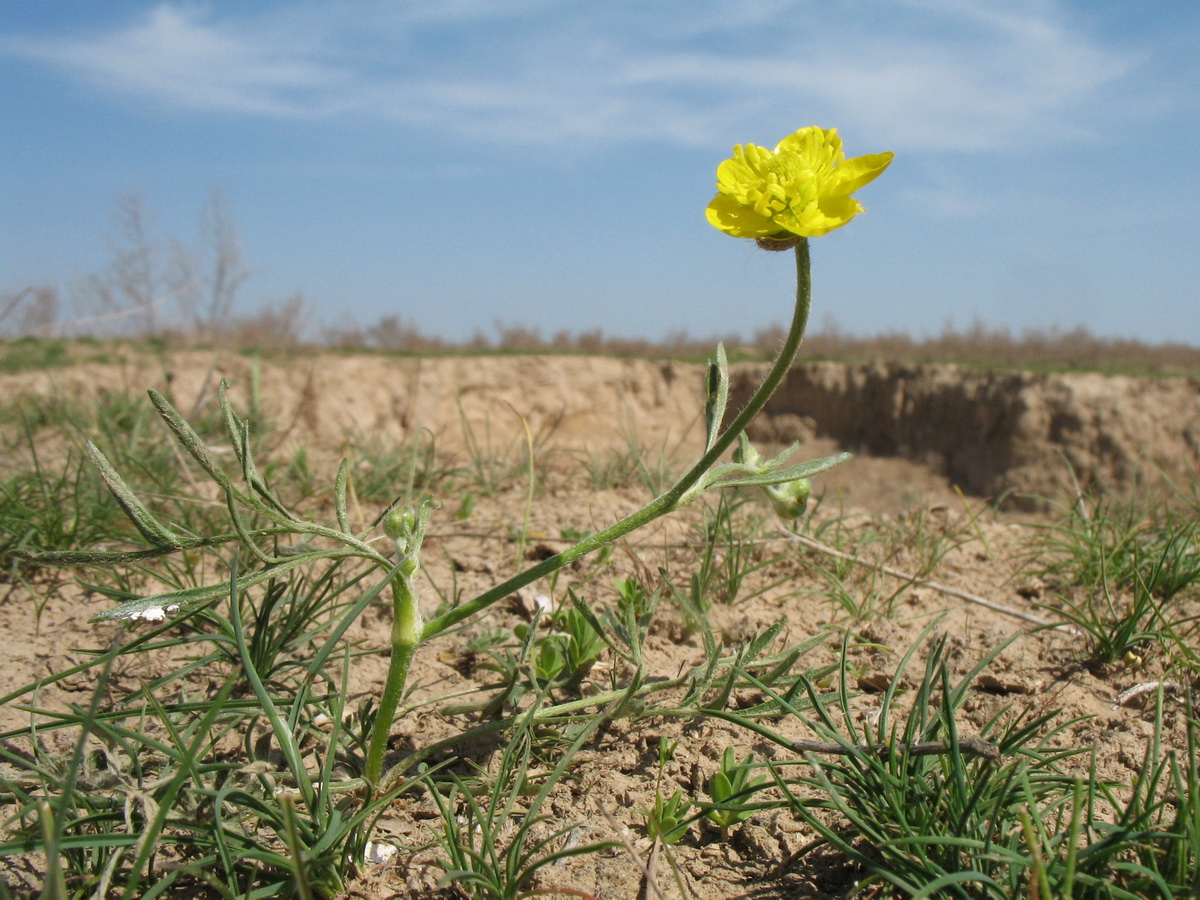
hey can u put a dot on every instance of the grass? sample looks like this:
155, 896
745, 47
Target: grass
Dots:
37, 354
220, 751
183, 799
854, 582
948, 825
1122, 571
492, 848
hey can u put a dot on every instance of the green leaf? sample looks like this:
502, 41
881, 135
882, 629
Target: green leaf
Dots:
187, 436
717, 394
719, 788
158, 606
803, 470
150, 528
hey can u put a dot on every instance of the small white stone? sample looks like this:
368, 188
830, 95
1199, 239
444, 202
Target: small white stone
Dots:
378, 853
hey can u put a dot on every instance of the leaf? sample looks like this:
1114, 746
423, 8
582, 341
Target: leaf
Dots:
187, 600
149, 527
187, 436
782, 476
717, 394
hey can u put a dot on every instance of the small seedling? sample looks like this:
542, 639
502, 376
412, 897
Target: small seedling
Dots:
730, 788
564, 657
667, 821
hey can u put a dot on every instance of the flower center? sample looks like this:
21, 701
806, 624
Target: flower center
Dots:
772, 182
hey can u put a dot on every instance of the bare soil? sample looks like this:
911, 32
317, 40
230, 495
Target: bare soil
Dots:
920, 432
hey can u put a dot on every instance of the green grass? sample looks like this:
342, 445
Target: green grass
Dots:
36, 354
492, 848
947, 824
175, 793
1124, 573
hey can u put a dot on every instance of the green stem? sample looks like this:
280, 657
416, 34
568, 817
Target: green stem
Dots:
670, 500
406, 637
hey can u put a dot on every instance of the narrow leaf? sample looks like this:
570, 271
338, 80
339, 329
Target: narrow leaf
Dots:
99, 558
187, 436
159, 606
782, 476
150, 528
339, 496
717, 394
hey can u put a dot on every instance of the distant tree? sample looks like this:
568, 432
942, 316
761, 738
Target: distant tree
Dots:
131, 294
34, 310
209, 277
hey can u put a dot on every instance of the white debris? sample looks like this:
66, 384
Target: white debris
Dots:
154, 613
378, 853
572, 840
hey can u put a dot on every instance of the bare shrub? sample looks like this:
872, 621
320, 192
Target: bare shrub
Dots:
982, 344
154, 287
391, 334
131, 295
33, 311
279, 326
519, 338
210, 276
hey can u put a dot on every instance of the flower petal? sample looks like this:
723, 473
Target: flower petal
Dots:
731, 217
821, 147
820, 217
854, 173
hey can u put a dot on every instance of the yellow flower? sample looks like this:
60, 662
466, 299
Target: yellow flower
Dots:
801, 188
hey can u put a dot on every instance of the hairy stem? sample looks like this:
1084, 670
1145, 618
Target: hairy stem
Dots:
406, 637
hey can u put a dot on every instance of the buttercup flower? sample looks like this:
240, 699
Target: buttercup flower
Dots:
800, 189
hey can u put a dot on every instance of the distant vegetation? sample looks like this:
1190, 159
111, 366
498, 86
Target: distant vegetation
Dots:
161, 290
282, 329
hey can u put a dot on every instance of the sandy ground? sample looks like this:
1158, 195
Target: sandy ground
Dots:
581, 412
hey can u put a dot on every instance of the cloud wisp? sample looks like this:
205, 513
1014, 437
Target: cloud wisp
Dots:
178, 59
940, 75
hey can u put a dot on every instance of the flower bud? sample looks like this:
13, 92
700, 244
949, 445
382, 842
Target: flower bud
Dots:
399, 524
790, 499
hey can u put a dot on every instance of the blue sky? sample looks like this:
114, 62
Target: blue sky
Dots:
547, 162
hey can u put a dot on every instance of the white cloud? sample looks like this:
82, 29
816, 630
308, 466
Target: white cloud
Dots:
946, 75
176, 57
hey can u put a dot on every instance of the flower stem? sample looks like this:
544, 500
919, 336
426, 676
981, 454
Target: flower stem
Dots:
406, 637
672, 498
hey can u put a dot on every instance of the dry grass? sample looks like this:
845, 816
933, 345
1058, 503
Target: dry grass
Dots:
283, 326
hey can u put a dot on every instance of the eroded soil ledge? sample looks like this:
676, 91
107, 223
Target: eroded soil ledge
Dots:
991, 433
995, 432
